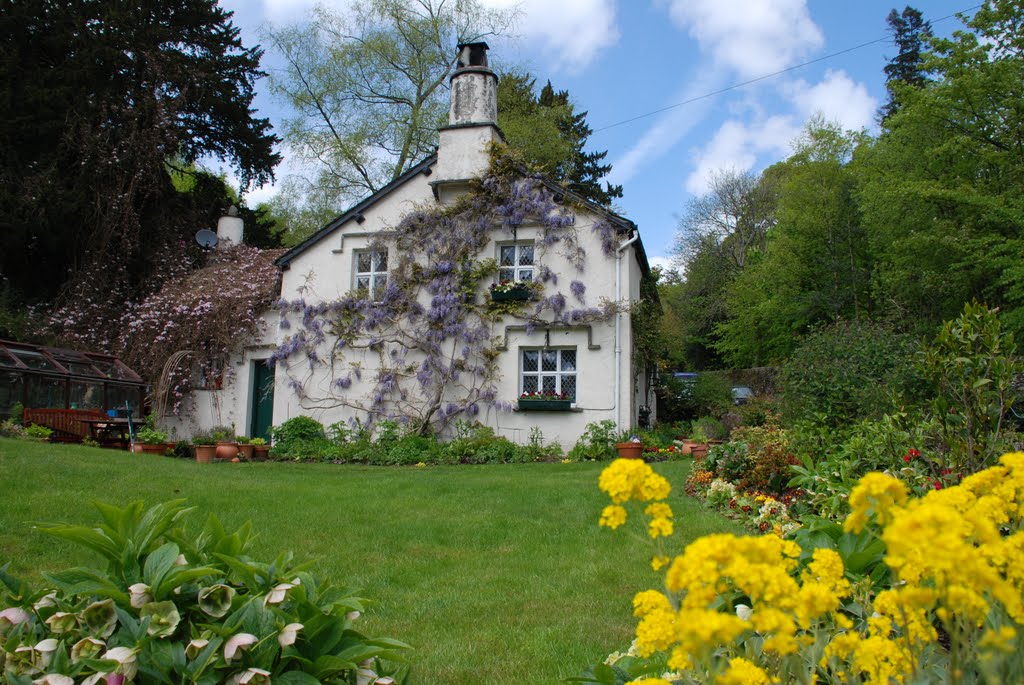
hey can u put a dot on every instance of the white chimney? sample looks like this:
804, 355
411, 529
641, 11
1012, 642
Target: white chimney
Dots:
230, 229
463, 152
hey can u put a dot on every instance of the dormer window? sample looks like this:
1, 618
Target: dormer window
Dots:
515, 262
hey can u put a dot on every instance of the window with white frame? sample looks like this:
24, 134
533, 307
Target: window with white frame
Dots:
549, 371
515, 262
371, 272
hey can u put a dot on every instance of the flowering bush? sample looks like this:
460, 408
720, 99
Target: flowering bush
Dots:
172, 608
739, 609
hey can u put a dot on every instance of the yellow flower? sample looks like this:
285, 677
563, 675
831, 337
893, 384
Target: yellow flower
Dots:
743, 672
659, 510
649, 681
659, 562
613, 516
649, 601
659, 527
878, 494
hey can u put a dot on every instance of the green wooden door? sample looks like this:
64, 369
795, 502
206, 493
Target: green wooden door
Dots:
262, 401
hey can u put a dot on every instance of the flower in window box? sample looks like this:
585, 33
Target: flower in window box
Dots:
511, 290
545, 401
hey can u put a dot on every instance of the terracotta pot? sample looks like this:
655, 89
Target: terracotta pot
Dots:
260, 452
227, 450
699, 450
245, 452
687, 445
630, 450
152, 449
205, 453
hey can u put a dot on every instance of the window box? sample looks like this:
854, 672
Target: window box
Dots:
513, 295
544, 405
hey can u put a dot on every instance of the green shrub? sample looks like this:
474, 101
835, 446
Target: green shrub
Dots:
730, 461
973, 365
18, 414
712, 394
301, 438
708, 428
176, 608
412, 449
597, 442
37, 432
152, 436
10, 429
850, 371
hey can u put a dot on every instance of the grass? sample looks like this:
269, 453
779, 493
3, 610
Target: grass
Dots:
495, 574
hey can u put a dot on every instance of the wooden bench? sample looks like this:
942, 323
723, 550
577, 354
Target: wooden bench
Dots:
67, 424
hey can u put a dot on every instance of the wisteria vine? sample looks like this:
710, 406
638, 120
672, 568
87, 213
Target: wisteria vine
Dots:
431, 334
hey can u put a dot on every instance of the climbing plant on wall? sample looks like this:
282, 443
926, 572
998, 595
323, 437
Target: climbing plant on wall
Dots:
429, 330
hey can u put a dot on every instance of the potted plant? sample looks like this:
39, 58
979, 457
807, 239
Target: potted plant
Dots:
510, 291
260, 449
544, 401
205, 446
227, 446
245, 448
151, 441
699, 442
631, 449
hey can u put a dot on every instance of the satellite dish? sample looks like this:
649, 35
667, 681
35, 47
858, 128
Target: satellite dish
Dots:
206, 238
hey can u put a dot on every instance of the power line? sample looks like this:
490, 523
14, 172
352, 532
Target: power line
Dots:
768, 76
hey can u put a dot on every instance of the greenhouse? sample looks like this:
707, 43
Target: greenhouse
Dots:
50, 378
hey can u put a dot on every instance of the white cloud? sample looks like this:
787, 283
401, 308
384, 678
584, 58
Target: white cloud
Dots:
573, 32
838, 97
752, 38
667, 130
664, 263
736, 146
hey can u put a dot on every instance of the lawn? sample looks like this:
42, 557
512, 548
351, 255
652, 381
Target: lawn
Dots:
495, 574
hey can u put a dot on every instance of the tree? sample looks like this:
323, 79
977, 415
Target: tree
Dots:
910, 33
552, 136
816, 267
98, 98
940, 189
368, 86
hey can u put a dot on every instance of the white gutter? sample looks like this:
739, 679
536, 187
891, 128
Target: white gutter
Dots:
618, 329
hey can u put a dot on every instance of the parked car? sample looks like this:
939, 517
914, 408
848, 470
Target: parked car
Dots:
741, 394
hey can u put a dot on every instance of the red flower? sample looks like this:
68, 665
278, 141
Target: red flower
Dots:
906, 458
913, 453
937, 485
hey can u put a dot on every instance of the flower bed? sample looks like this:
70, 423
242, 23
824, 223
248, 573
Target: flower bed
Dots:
907, 589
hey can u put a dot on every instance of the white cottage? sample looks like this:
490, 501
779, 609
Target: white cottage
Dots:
392, 310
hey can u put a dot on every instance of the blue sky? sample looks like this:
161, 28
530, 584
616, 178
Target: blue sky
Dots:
621, 59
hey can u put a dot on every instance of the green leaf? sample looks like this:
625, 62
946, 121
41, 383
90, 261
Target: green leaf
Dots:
91, 538
157, 565
295, 678
329, 665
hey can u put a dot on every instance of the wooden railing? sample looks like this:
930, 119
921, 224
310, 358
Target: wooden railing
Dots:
66, 424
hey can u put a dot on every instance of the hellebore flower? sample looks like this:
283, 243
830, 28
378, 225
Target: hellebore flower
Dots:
288, 634
163, 618
87, 648
194, 647
216, 599
126, 664
11, 617
237, 643
54, 679
139, 595
280, 591
61, 622
100, 618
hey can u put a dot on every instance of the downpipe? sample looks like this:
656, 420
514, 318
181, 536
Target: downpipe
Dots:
618, 328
